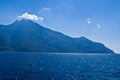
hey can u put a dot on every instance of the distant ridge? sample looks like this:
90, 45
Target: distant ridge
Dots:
28, 36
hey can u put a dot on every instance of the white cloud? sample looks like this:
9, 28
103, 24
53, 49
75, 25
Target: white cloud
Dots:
32, 17
88, 21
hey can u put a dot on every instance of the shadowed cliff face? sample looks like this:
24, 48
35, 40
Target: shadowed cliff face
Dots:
25, 35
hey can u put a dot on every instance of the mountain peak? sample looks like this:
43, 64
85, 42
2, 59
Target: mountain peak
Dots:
24, 21
84, 38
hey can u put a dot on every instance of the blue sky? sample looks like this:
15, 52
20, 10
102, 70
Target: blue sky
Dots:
97, 20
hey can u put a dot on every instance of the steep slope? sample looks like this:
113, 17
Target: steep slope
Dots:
26, 35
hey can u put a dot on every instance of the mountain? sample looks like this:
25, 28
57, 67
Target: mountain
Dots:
28, 36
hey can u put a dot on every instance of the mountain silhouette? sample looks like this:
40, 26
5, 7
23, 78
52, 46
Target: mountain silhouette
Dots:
28, 36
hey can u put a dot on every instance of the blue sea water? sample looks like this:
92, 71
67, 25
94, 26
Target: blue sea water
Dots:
59, 66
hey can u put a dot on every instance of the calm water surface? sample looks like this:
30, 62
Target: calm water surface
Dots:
48, 66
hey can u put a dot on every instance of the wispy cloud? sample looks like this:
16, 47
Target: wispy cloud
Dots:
96, 25
32, 17
100, 26
88, 21
46, 9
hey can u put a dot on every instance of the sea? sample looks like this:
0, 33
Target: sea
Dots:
59, 66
